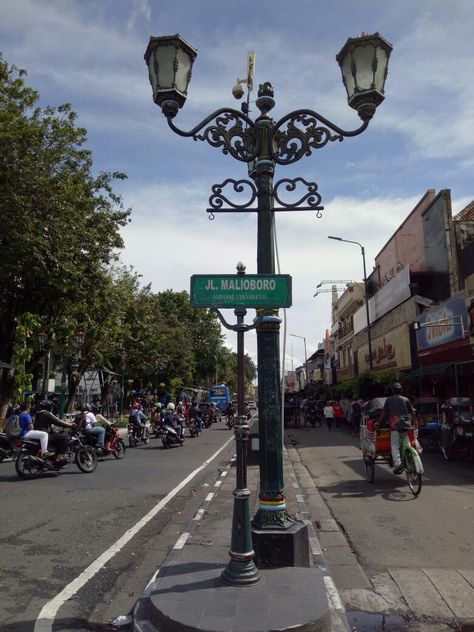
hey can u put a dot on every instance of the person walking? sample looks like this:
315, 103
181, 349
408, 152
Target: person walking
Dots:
338, 415
328, 414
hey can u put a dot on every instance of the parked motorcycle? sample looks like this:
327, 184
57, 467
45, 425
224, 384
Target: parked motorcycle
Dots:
29, 465
171, 437
116, 446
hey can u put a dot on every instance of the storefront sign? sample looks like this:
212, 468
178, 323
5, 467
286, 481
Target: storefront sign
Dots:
442, 324
392, 350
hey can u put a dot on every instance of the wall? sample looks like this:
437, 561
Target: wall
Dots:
406, 246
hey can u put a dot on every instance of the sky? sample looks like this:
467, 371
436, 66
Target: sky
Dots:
90, 53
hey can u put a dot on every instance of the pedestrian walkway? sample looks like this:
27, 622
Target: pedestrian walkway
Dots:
187, 594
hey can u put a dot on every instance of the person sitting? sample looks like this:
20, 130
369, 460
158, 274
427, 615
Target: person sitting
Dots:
171, 420
138, 419
396, 406
45, 420
28, 431
91, 427
195, 412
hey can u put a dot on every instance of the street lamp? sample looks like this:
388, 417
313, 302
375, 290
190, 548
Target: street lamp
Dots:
263, 144
369, 335
305, 356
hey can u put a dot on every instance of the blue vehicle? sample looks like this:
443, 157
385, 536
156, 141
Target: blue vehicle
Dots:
219, 394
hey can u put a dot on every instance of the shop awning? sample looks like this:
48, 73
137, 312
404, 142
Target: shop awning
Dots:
432, 369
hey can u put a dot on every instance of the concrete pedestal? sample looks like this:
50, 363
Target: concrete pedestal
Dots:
276, 548
189, 597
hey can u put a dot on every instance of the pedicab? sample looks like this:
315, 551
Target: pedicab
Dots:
428, 418
375, 444
457, 428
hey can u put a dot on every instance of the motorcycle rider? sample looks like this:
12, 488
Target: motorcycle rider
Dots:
195, 412
91, 427
45, 420
396, 406
171, 420
138, 419
28, 430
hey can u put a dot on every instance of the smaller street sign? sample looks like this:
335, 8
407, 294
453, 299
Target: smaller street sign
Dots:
241, 290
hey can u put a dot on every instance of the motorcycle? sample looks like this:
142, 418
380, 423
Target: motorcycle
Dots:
8, 447
29, 465
116, 444
457, 428
171, 437
230, 420
192, 428
137, 434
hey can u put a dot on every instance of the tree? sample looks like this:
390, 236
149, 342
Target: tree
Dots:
60, 222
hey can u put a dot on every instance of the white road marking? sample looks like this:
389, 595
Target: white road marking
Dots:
333, 595
209, 497
181, 541
199, 514
224, 473
217, 483
44, 622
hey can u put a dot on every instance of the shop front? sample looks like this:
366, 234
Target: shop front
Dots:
389, 351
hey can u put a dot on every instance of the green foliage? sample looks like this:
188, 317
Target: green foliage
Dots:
26, 324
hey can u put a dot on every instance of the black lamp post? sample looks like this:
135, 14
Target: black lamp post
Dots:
369, 335
263, 144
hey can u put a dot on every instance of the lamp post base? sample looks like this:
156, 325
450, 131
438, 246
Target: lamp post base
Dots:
275, 548
240, 571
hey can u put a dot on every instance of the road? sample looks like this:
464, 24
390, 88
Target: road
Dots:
397, 539
53, 528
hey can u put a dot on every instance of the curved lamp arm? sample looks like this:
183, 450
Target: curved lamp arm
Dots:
228, 132
238, 327
305, 130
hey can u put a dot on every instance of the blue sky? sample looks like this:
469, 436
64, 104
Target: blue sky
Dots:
90, 53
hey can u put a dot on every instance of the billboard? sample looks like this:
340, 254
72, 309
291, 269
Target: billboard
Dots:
442, 324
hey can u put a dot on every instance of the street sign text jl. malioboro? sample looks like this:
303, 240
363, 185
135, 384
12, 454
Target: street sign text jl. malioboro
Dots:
241, 290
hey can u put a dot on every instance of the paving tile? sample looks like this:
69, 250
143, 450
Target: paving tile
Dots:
455, 590
420, 593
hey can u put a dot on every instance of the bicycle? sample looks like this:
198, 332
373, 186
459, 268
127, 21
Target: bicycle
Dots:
375, 446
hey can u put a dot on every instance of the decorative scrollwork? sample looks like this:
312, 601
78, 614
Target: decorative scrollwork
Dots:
230, 134
218, 199
231, 130
312, 198
301, 136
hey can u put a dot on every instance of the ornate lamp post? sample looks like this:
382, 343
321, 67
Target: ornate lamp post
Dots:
264, 143
369, 333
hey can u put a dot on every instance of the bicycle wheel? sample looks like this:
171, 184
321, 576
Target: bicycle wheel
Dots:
369, 468
414, 478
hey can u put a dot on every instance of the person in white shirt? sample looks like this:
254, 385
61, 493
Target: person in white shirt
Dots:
328, 414
92, 428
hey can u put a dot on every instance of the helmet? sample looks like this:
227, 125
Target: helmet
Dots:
180, 404
45, 404
397, 386
16, 409
136, 406
159, 406
170, 406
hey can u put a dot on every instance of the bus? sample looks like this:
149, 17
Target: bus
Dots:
219, 394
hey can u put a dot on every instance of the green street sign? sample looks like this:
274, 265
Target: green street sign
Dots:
241, 290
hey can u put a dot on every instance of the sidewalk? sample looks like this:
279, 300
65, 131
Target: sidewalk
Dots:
186, 593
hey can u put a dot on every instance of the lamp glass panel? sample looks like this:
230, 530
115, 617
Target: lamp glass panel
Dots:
184, 66
151, 70
364, 57
347, 74
382, 62
165, 56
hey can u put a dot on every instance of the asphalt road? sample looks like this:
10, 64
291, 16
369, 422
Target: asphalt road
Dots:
54, 527
385, 524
